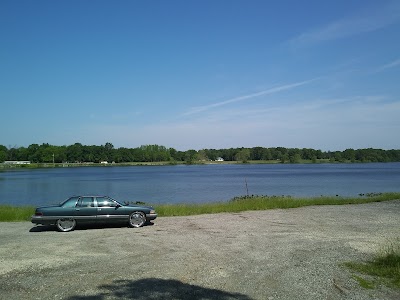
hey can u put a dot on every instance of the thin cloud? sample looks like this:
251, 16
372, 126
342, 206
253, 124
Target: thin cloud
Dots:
315, 107
270, 91
390, 65
367, 22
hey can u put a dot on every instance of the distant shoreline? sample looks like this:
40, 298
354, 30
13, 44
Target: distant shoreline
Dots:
169, 163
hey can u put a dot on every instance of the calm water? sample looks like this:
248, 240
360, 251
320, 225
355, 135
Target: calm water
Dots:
199, 183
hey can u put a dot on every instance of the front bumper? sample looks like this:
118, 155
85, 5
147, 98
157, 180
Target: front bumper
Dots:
150, 217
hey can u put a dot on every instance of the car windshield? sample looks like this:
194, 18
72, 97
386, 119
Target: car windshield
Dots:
111, 199
105, 201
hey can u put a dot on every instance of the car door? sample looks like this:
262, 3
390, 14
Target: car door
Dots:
110, 211
86, 210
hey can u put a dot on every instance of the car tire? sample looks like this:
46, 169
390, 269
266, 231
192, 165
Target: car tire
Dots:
137, 219
65, 225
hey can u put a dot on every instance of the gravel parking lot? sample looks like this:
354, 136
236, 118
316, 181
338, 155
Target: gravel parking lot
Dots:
274, 254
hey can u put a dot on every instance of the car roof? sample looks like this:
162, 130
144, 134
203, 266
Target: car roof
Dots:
91, 196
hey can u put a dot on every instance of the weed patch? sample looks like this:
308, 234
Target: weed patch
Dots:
363, 282
385, 266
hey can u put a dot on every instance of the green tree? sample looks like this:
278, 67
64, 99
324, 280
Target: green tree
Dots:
33, 153
212, 154
256, 153
349, 154
75, 152
282, 154
266, 154
295, 159
338, 156
3, 153
243, 155
201, 155
190, 156
108, 152
13, 153
284, 158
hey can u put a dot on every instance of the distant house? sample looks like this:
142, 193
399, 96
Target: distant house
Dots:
17, 162
219, 159
104, 162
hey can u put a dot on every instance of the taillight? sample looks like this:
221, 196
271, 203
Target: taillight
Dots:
38, 214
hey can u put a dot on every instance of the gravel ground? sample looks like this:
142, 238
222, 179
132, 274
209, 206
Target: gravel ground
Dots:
274, 254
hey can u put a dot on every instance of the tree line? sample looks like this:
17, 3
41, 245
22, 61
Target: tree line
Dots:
78, 153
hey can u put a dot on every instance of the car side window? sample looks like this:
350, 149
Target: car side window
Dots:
105, 202
85, 202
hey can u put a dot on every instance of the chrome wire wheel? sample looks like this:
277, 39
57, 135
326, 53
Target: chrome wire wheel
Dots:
137, 219
65, 225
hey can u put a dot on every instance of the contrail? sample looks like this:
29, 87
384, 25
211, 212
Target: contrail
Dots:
250, 96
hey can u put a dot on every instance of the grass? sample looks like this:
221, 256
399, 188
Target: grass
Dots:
384, 267
23, 213
246, 203
364, 283
10, 213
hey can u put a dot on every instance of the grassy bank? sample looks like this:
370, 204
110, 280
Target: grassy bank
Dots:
266, 202
10, 213
14, 214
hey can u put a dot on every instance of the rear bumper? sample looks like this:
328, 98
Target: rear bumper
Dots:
43, 220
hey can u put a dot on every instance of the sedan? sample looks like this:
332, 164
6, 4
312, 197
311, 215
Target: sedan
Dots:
92, 209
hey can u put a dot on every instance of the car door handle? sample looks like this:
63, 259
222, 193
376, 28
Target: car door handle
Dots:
77, 209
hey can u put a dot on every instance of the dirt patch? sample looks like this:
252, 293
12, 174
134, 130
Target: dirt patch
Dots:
274, 254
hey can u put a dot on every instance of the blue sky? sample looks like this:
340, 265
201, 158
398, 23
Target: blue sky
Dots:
201, 74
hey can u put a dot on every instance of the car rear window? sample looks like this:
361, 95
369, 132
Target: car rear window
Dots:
71, 202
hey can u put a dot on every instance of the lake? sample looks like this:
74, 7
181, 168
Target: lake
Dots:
196, 183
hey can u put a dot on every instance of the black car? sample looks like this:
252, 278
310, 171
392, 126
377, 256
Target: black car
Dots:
92, 209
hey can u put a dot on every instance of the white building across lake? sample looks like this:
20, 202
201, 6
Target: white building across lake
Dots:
17, 162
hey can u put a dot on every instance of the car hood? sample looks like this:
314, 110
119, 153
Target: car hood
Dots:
137, 205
